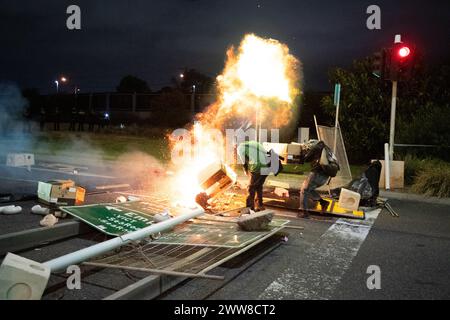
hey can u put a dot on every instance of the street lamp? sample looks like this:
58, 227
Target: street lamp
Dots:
193, 100
62, 79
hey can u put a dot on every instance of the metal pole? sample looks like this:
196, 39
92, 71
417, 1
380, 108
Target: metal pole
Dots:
259, 126
82, 255
193, 101
317, 128
257, 123
337, 100
392, 128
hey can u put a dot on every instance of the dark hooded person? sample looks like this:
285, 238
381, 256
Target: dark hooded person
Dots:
324, 165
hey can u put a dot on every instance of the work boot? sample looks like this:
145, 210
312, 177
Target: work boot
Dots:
323, 204
246, 211
260, 208
303, 214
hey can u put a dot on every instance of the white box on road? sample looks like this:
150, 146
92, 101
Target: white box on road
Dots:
22, 279
20, 159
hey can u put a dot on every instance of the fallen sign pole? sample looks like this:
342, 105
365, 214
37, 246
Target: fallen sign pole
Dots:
25, 279
82, 255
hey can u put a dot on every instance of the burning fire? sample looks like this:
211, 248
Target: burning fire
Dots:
258, 84
259, 77
190, 154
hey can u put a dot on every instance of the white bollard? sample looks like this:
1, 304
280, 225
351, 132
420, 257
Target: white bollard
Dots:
387, 167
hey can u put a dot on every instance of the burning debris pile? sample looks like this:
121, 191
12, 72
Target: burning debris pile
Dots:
258, 87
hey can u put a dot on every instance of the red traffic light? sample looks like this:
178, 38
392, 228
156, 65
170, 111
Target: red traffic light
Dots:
403, 52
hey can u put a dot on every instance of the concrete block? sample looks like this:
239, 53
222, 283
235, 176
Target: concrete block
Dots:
22, 279
294, 149
256, 221
349, 199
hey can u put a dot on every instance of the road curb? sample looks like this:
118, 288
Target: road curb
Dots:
414, 197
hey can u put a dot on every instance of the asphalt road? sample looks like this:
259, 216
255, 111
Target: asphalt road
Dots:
326, 262
328, 259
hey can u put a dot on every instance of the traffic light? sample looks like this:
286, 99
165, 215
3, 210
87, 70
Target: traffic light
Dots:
378, 62
381, 64
402, 57
404, 52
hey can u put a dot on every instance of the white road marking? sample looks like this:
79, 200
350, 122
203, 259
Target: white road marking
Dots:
84, 174
325, 262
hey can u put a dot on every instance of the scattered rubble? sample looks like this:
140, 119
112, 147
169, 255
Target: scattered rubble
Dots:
281, 192
48, 221
121, 199
161, 217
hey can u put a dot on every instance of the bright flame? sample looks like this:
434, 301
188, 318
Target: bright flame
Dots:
206, 148
260, 77
261, 69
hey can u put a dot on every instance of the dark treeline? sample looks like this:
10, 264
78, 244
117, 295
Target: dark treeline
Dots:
133, 102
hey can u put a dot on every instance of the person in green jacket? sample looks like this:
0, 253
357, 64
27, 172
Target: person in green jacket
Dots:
256, 163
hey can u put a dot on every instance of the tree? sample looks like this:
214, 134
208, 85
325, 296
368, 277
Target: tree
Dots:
422, 109
364, 112
424, 105
191, 77
132, 84
171, 108
34, 98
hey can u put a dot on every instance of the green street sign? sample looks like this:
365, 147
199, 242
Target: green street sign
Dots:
116, 219
337, 93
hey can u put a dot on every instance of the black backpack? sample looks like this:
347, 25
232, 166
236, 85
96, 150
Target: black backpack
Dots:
328, 162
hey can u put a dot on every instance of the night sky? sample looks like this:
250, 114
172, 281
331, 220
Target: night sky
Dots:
155, 40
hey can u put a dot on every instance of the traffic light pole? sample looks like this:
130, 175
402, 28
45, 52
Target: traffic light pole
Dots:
392, 128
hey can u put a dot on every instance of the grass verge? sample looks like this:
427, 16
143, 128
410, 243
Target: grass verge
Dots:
430, 177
